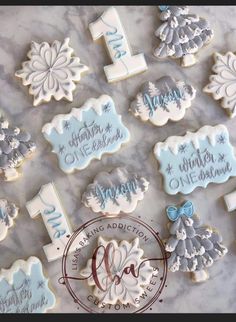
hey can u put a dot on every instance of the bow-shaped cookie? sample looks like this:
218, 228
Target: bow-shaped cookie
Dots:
174, 213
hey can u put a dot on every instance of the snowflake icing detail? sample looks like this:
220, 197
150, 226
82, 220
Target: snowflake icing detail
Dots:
107, 107
221, 157
169, 169
61, 149
108, 128
129, 287
223, 83
182, 148
221, 139
41, 284
51, 71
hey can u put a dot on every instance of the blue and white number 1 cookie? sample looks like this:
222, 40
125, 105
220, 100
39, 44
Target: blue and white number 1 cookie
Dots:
163, 100
196, 159
124, 63
86, 133
24, 288
51, 71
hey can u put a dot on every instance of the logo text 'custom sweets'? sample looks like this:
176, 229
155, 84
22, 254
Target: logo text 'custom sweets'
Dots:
196, 159
86, 133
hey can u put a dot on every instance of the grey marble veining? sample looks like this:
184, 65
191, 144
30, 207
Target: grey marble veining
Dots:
20, 25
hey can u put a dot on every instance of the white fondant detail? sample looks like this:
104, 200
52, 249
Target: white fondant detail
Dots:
109, 26
200, 276
206, 131
57, 121
25, 266
44, 201
3, 227
230, 201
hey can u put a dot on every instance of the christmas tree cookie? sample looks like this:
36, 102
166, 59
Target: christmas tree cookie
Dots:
193, 247
181, 34
15, 146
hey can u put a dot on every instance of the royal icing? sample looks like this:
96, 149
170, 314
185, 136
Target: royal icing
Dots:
86, 133
8, 212
222, 85
24, 288
48, 205
181, 34
51, 71
121, 283
162, 100
230, 201
193, 247
124, 63
115, 192
15, 146
196, 159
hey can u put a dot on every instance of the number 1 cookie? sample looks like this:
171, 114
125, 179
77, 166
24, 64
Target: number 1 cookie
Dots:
51, 71
124, 63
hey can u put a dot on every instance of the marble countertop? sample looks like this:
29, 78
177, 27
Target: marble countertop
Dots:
21, 25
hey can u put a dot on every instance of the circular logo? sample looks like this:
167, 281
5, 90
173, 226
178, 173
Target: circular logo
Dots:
114, 265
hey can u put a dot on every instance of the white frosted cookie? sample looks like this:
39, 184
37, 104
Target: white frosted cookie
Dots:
51, 71
181, 34
115, 192
117, 285
222, 84
8, 212
193, 247
109, 26
48, 205
15, 146
163, 100
86, 133
24, 288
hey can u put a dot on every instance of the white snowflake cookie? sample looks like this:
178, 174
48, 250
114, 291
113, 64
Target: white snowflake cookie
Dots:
51, 71
222, 86
116, 285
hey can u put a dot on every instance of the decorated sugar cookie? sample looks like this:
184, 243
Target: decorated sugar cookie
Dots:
51, 71
115, 192
24, 288
124, 64
163, 100
230, 201
193, 247
181, 34
196, 159
48, 205
8, 212
15, 147
222, 84
86, 133
122, 285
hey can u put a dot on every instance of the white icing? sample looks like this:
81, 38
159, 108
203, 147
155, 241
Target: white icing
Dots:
25, 266
57, 121
48, 204
222, 85
11, 214
230, 201
173, 142
199, 276
51, 71
130, 287
181, 234
176, 265
124, 64
112, 180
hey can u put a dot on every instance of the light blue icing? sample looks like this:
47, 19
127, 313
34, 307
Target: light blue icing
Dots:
27, 294
163, 8
112, 193
90, 138
173, 213
192, 168
53, 218
115, 40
